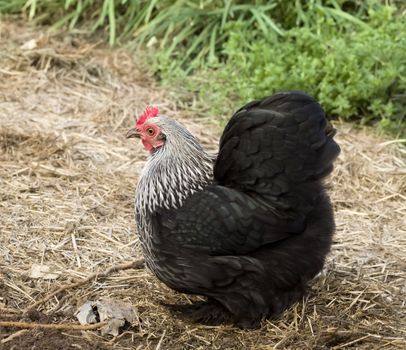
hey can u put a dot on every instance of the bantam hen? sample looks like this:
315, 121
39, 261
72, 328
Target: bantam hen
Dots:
248, 228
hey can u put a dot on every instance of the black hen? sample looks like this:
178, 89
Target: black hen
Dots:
250, 232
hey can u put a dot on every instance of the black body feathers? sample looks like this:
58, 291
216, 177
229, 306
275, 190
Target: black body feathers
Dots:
252, 239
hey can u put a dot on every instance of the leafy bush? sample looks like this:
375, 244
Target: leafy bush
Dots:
355, 71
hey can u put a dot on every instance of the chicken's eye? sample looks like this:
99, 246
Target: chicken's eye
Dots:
150, 131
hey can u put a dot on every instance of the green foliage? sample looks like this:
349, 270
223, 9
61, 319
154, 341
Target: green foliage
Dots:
358, 71
197, 26
188, 31
355, 71
350, 54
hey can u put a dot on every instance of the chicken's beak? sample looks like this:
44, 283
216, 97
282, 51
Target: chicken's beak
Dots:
133, 132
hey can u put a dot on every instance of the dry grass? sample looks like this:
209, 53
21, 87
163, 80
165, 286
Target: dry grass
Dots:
67, 178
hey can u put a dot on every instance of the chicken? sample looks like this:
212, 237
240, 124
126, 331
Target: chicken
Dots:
249, 228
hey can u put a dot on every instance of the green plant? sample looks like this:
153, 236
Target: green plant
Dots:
356, 72
187, 31
350, 54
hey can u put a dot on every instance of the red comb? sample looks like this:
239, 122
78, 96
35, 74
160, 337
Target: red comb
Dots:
149, 112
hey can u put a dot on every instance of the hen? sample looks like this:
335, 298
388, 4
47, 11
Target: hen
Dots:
249, 228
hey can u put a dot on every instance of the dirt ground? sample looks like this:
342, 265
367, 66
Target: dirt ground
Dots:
67, 181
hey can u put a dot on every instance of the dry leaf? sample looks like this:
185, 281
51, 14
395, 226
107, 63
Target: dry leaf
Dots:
109, 308
116, 313
86, 314
113, 327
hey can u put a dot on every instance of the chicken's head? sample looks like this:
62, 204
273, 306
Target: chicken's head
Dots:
148, 130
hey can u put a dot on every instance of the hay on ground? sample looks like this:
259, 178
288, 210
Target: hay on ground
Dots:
67, 180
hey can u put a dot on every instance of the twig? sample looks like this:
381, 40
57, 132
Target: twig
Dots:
351, 342
14, 335
136, 264
62, 326
158, 347
75, 249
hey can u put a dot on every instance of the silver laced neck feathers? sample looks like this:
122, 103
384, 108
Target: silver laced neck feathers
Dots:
174, 171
